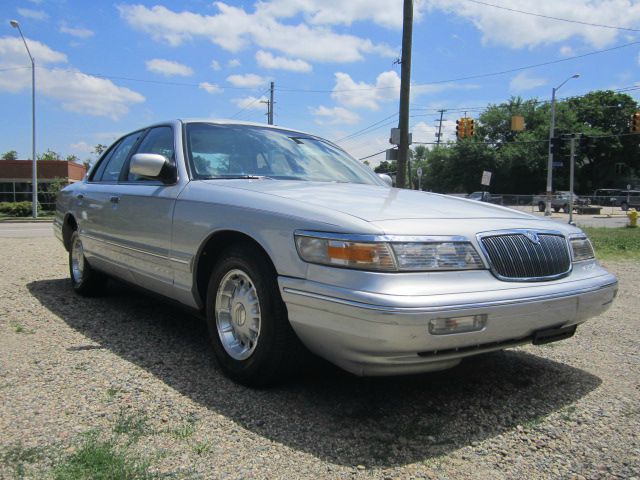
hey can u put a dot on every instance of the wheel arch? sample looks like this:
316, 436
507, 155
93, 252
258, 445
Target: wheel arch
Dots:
69, 225
209, 252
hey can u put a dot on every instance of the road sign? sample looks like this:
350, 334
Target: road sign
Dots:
419, 171
392, 154
486, 178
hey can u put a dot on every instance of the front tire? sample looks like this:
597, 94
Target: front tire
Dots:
541, 206
624, 206
84, 279
247, 320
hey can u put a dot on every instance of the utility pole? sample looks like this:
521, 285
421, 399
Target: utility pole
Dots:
439, 134
405, 91
572, 167
271, 105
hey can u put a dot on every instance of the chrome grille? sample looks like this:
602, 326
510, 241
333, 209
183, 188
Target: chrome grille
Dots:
518, 256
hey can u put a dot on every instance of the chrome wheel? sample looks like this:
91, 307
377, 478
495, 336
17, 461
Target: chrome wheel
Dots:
77, 260
237, 311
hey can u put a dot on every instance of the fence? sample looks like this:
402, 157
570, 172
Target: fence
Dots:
536, 204
21, 192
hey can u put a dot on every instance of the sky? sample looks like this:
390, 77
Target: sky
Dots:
105, 68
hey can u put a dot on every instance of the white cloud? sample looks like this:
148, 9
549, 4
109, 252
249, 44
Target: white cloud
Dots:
81, 148
567, 51
502, 27
233, 63
76, 91
168, 68
250, 102
215, 65
523, 82
334, 115
248, 80
77, 32
365, 95
262, 28
210, 87
267, 60
387, 13
32, 14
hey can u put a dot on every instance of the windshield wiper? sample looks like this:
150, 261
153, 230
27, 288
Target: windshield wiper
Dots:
239, 177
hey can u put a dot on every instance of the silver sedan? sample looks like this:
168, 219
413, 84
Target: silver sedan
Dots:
286, 245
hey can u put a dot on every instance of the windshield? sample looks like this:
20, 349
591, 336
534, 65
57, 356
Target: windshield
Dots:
241, 151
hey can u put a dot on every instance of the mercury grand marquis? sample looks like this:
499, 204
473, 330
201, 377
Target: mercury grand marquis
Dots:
286, 244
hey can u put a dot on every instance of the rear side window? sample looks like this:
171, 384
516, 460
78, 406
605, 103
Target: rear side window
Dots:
114, 164
159, 140
95, 176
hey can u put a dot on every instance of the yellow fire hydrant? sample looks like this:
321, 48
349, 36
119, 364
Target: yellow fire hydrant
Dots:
633, 218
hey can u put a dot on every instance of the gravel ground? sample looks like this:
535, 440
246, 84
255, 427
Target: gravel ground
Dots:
139, 372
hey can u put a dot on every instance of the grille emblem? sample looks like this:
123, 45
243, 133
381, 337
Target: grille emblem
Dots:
533, 237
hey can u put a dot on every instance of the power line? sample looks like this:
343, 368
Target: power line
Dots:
365, 128
550, 17
373, 154
476, 76
142, 80
258, 98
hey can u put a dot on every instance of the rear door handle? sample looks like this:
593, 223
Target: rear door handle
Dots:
114, 199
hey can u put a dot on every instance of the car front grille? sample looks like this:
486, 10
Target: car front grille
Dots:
524, 256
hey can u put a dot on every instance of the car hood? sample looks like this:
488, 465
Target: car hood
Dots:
376, 203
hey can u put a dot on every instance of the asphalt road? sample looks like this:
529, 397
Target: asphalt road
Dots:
26, 230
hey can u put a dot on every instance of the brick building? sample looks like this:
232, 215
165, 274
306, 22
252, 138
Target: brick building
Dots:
15, 179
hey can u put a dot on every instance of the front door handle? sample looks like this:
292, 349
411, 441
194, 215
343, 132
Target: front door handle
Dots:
114, 199
79, 196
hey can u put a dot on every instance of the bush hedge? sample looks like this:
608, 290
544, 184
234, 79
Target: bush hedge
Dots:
16, 209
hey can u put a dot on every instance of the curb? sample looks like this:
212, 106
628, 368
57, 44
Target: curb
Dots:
26, 220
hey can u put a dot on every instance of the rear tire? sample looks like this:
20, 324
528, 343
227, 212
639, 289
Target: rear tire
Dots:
565, 209
85, 280
556, 209
541, 207
247, 320
624, 206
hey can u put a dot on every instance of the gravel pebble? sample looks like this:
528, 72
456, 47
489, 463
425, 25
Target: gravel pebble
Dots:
71, 365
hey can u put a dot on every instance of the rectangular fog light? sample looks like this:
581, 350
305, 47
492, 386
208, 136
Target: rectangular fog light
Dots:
445, 326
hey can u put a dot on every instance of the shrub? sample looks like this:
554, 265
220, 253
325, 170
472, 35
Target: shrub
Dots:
15, 209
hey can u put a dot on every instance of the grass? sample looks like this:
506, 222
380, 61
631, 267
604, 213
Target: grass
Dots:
202, 448
19, 328
615, 243
185, 430
112, 392
18, 456
133, 425
97, 459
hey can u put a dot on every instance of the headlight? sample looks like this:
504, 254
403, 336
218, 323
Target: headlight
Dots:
388, 254
581, 249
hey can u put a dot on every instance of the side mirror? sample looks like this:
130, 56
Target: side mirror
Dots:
153, 166
386, 179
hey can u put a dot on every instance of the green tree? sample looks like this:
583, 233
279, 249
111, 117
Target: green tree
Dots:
386, 167
98, 149
72, 158
10, 155
49, 155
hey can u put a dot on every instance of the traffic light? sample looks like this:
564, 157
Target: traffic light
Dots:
635, 123
461, 128
555, 145
471, 127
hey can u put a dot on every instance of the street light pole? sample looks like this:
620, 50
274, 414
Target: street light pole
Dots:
34, 174
552, 128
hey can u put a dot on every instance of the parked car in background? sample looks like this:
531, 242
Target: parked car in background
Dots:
559, 201
485, 197
631, 199
283, 242
608, 197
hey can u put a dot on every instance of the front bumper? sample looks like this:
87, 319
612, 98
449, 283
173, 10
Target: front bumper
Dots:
380, 334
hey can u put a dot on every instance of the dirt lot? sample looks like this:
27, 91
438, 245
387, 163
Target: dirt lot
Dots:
130, 376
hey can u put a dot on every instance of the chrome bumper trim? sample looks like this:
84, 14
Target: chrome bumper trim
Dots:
466, 306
